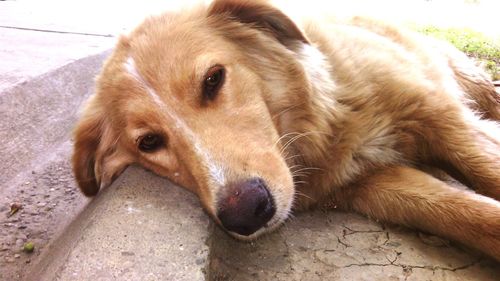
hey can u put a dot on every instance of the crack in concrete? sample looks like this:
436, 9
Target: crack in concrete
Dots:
406, 267
407, 272
387, 238
353, 231
393, 261
342, 242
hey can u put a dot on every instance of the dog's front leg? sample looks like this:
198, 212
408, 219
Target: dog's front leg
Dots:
413, 198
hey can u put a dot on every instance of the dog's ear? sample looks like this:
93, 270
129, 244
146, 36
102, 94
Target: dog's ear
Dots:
97, 161
259, 14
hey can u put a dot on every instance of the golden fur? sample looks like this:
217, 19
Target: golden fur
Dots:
346, 114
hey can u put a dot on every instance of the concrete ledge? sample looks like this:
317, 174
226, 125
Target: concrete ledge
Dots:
38, 115
140, 228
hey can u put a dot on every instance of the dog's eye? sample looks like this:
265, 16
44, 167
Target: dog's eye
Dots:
213, 81
150, 142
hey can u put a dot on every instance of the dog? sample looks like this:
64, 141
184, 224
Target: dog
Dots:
259, 115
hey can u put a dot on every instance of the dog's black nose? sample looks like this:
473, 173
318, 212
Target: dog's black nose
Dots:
246, 206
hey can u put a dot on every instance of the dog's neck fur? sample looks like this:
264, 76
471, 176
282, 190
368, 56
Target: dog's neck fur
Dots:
318, 114
309, 119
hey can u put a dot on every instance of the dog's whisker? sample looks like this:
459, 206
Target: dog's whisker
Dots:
295, 166
301, 182
302, 173
284, 136
292, 140
298, 193
299, 175
309, 169
296, 137
286, 110
293, 156
291, 216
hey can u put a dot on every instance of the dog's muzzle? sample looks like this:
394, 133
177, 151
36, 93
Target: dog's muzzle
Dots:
246, 206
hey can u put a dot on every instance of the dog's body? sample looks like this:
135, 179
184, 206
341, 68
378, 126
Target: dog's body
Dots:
256, 116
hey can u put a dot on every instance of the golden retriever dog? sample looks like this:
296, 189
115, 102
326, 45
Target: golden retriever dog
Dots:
260, 116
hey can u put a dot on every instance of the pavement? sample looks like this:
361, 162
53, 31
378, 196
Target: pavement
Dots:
143, 227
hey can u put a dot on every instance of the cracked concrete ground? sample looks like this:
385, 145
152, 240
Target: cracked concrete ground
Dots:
344, 246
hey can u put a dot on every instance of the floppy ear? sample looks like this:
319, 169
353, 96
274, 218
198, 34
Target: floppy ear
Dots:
96, 159
259, 14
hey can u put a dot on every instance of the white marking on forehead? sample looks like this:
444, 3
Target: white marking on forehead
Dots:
215, 171
132, 70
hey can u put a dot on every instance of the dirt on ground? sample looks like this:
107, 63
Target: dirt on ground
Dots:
35, 211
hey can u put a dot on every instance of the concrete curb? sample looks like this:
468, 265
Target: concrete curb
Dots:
38, 115
141, 228
36, 118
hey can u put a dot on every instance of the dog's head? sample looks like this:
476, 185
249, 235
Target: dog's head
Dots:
198, 98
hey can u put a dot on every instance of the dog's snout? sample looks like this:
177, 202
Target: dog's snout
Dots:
246, 206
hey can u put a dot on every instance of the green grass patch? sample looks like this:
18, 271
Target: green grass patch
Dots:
484, 49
